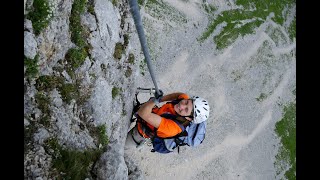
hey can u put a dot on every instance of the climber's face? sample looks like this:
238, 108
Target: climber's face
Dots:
184, 107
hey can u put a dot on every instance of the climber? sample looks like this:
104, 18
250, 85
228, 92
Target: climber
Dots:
153, 121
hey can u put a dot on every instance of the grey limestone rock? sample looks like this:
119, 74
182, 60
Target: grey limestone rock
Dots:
30, 45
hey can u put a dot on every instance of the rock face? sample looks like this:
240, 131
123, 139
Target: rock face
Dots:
30, 45
68, 105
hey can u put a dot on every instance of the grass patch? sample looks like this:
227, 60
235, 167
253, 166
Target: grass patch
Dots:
210, 9
40, 15
128, 72
141, 2
142, 66
126, 40
118, 51
115, 92
243, 21
99, 135
45, 120
77, 33
48, 83
102, 135
58, 69
83, 98
71, 164
93, 75
292, 29
262, 97
131, 58
75, 57
68, 92
28, 136
286, 130
91, 7
31, 66
43, 102
74, 164
115, 2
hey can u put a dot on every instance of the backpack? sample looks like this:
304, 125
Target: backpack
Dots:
192, 135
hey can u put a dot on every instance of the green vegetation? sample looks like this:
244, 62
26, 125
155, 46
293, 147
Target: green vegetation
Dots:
140, 2
262, 97
115, 2
142, 66
128, 72
68, 92
118, 50
126, 40
131, 58
292, 29
93, 75
71, 164
58, 69
48, 83
286, 130
75, 57
31, 66
240, 22
43, 102
91, 7
40, 15
115, 92
74, 164
77, 33
28, 136
102, 135
209, 8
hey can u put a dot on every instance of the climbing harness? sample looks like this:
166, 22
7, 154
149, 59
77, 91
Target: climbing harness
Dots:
134, 117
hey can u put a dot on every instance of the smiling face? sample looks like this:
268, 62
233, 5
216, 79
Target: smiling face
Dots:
184, 107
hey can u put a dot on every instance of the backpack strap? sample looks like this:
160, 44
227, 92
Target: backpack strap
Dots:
195, 132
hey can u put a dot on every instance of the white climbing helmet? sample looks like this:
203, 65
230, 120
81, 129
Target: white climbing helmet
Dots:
200, 109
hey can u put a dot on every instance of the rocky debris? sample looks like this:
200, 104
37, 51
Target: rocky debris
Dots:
37, 163
41, 135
